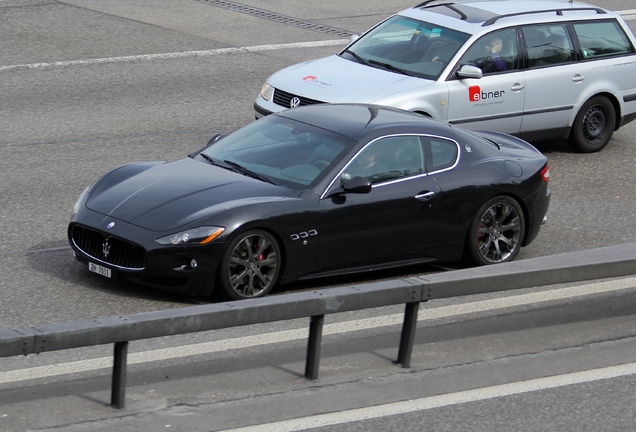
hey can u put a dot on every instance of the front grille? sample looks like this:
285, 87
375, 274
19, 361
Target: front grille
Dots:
283, 98
108, 249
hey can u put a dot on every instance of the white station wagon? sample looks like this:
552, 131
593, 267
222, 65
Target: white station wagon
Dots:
537, 69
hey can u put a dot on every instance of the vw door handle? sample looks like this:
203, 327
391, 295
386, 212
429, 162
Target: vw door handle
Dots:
517, 87
578, 78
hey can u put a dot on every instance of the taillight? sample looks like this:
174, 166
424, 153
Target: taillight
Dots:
545, 173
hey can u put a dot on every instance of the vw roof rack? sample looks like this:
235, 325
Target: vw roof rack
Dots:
558, 12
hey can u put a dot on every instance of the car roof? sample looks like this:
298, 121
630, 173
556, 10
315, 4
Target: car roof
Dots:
467, 14
354, 120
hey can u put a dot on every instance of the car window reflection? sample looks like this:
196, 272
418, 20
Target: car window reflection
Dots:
387, 159
290, 153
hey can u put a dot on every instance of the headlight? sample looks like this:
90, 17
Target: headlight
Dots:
79, 202
200, 235
267, 91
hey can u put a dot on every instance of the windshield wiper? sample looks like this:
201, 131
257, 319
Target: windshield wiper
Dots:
241, 169
390, 67
213, 161
356, 56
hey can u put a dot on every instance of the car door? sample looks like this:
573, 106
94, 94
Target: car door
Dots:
554, 80
391, 222
494, 101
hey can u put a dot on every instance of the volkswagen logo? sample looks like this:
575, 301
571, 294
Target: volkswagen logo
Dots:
294, 102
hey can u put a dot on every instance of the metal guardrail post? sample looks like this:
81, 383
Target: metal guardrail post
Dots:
408, 334
313, 347
118, 389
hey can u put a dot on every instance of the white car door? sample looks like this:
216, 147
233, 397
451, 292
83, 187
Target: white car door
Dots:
494, 101
554, 80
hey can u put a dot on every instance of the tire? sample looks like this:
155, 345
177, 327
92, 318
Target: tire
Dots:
496, 232
594, 125
250, 267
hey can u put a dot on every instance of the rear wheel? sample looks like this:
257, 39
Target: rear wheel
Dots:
594, 125
496, 232
250, 266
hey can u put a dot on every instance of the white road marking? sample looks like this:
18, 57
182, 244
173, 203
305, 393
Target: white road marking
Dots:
425, 314
414, 405
626, 14
184, 54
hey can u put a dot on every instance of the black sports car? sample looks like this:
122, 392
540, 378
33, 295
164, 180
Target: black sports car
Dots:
313, 191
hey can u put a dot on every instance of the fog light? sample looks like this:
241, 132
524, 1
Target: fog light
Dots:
193, 264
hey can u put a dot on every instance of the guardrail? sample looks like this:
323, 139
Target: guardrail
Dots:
608, 262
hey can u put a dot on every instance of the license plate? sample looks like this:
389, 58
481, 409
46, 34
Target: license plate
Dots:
99, 269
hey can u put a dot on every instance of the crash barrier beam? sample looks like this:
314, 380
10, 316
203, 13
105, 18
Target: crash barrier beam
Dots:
602, 263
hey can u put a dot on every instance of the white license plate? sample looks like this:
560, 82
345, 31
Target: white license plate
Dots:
99, 269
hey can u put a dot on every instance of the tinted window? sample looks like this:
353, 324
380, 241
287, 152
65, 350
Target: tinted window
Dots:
387, 159
290, 153
441, 153
602, 39
495, 52
548, 45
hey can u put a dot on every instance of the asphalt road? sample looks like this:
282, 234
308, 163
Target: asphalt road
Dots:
87, 85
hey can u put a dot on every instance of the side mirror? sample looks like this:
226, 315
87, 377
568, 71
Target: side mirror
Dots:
468, 71
358, 185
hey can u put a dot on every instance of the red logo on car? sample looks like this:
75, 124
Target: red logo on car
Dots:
474, 93
310, 78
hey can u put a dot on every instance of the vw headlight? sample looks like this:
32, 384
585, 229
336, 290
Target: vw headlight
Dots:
267, 91
200, 235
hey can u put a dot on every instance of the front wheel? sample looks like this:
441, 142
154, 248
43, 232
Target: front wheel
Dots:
594, 125
496, 232
250, 266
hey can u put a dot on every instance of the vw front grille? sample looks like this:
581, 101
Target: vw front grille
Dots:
283, 98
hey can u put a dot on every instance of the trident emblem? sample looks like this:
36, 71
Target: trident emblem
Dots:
106, 249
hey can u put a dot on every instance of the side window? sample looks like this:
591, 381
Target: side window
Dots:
440, 154
602, 39
387, 159
548, 45
495, 52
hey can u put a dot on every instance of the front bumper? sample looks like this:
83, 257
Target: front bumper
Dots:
260, 111
188, 269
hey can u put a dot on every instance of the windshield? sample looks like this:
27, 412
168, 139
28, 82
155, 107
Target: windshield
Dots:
283, 151
407, 46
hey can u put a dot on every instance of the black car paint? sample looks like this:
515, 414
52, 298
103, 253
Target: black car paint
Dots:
321, 230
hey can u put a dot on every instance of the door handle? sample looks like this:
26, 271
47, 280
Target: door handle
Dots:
425, 196
578, 78
517, 87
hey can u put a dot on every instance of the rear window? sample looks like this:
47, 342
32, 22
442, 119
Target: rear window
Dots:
442, 153
602, 39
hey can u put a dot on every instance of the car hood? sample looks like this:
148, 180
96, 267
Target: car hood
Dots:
334, 79
164, 196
